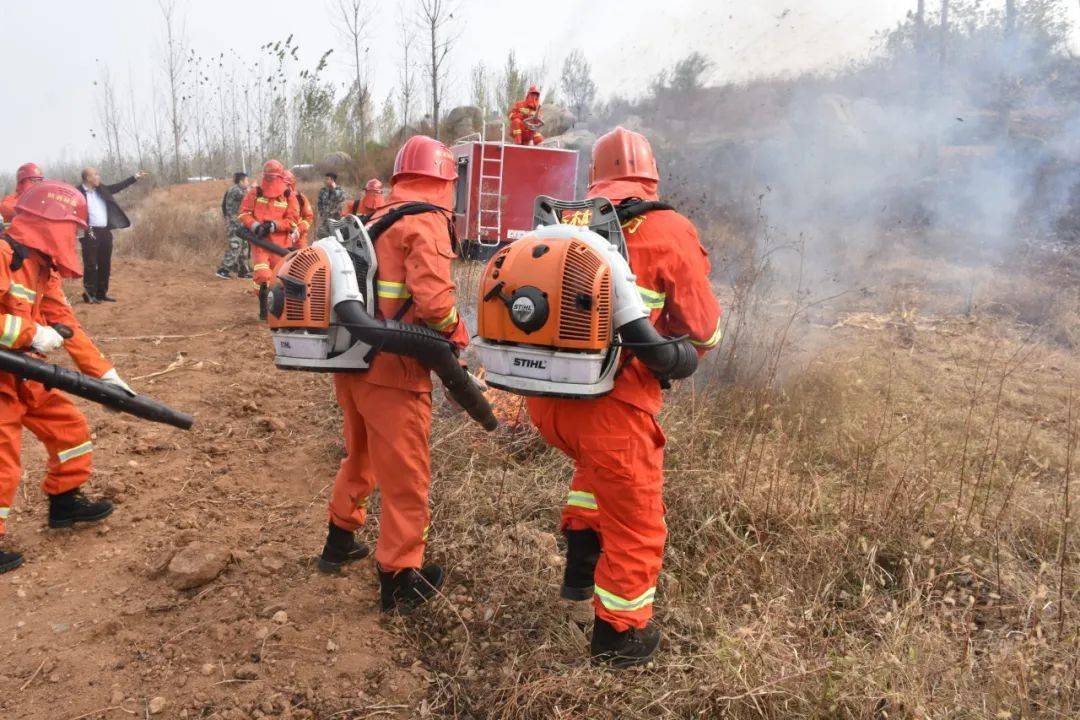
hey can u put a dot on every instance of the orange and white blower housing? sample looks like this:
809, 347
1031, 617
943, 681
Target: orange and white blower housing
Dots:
322, 314
558, 307
311, 283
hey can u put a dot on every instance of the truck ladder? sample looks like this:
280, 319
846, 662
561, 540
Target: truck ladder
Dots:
489, 202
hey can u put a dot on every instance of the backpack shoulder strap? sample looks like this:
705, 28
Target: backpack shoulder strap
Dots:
631, 208
384, 223
19, 253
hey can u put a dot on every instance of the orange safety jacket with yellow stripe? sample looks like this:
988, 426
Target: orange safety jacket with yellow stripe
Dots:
30, 295
283, 211
672, 270
306, 216
415, 256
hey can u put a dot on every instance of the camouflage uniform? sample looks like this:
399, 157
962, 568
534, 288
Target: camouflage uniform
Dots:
329, 208
237, 256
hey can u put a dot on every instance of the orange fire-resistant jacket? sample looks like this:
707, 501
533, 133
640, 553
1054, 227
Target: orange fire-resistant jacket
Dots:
415, 257
283, 211
32, 296
672, 271
306, 216
7, 207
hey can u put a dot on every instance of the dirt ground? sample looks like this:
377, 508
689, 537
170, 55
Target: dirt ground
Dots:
93, 630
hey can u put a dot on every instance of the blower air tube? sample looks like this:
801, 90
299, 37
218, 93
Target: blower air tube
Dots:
84, 386
667, 358
425, 345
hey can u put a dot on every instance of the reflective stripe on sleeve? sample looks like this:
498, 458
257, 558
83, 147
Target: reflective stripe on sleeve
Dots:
713, 341
446, 322
581, 499
261, 266
23, 292
12, 328
620, 604
72, 453
391, 290
652, 299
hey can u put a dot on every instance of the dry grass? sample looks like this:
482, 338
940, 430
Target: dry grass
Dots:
868, 504
870, 523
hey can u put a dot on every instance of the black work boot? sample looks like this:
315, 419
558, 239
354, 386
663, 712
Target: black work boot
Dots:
67, 509
623, 649
582, 554
340, 549
409, 588
9, 560
264, 292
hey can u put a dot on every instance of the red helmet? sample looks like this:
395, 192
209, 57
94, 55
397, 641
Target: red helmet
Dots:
273, 179
374, 186
533, 90
422, 155
53, 200
26, 174
623, 155
290, 179
46, 216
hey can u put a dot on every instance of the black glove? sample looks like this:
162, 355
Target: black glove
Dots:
268, 228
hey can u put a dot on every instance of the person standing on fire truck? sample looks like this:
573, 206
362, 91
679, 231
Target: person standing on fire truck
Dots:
269, 210
387, 409
526, 118
613, 519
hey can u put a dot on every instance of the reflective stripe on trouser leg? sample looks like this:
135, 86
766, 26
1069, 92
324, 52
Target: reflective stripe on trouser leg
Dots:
11, 432
55, 420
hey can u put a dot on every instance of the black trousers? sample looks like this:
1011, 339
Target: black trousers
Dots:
97, 261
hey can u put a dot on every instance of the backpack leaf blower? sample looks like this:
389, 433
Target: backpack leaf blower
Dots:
322, 316
558, 307
53, 376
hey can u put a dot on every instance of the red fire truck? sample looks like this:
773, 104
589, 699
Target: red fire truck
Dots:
497, 184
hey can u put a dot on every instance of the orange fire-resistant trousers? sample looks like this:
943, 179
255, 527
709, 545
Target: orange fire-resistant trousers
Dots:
386, 443
56, 422
617, 491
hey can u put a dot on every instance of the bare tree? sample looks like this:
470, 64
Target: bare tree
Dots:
511, 87
436, 18
110, 119
352, 23
407, 80
944, 49
578, 84
481, 86
174, 67
134, 124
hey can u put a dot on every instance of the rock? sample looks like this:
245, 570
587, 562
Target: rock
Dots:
280, 617
331, 646
207, 669
247, 671
270, 423
196, 565
157, 705
557, 120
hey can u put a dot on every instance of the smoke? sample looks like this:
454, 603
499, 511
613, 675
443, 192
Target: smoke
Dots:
961, 156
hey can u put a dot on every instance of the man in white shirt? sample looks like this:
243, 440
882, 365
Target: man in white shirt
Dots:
97, 244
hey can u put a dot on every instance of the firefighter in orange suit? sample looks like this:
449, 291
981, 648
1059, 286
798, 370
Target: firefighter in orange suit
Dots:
526, 117
614, 515
25, 176
37, 250
269, 210
369, 202
304, 210
387, 409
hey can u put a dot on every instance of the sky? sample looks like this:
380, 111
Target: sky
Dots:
53, 52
